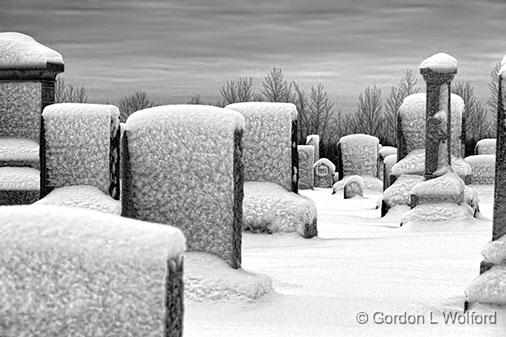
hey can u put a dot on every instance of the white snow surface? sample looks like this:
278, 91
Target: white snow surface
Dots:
248, 109
495, 251
414, 163
82, 196
359, 263
386, 151
483, 168
486, 146
436, 214
489, 287
18, 149
19, 178
208, 277
22, 51
359, 154
440, 63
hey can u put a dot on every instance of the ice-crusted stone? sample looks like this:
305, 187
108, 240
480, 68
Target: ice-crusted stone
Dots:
359, 155
414, 163
495, 251
73, 272
483, 168
314, 140
268, 141
354, 187
82, 196
448, 188
386, 151
78, 144
324, 171
489, 287
440, 63
388, 163
270, 208
183, 167
22, 51
398, 193
306, 161
370, 184
486, 146
437, 213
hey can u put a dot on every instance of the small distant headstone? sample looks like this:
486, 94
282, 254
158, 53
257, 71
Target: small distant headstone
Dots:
314, 140
306, 161
324, 171
354, 187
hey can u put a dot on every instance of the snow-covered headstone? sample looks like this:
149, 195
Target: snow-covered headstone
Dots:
388, 162
485, 146
354, 187
306, 161
314, 140
80, 146
27, 76
182, 166
483, 167
324, 171
384, 152
358, 155
270, 142
75, 272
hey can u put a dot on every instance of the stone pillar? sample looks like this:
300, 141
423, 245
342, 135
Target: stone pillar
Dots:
314, 140
438, 71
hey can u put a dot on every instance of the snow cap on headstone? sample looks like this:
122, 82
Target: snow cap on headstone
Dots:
440, 63
20, 51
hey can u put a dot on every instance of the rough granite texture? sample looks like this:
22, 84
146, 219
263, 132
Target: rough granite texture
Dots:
71, 272
314, 140
324, 171
486, 146
267, 141
270, 208
483, 168
359, 155
499, 218
20, 105
306, 161
78, 144
398, 193
182, 167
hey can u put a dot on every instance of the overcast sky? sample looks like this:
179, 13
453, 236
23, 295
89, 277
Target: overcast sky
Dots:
175, 49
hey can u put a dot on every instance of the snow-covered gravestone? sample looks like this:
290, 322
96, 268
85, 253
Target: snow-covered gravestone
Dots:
485, 146
182, 166
306, 161
358, 155
354, 187
270, 142
80, 146
483, 167
490, 286
75, 272
314, 140
324, 171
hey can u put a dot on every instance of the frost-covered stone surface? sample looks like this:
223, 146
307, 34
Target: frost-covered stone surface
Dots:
447, 188
354, 187
386, 151
73, 272
314, 140
22, 51
398, 193
359, 154
440, 63
489, 287
19, 178
412, 113
78, 141
207, 277
306, 161
486, 146
370, 184
20, 104
183, 168
495, 251
269, 208
82, 196
18, 150
324, 171
267, 141
414, 163
483, 168
437, 213
388, 163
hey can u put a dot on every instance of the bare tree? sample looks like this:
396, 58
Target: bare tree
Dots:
129, 104
368, 118
300, 101
65, 93
493, 86
320, 110
238, 91
275, 88
195, 99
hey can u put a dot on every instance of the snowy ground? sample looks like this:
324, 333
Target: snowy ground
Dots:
359, 263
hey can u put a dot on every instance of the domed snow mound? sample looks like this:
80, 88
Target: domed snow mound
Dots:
268, 207
398, 193
489, 287
386, 151
448, 188
483, 168
22, 51
440, 63
207, 277
486, 146
359, 154
437, 213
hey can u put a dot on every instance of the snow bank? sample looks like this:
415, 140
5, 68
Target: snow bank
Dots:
412, 113
183, 168
440, 63
483, 168
82, 196
78, 142
19, 178
489, 287
486, 146
324, 171
314, 140
448, 188
267, 141
495, 251
354, 187
68, 271
370, 184
20, 103
207, 277
386, 151
22, 51
398, 193
359, 154
267, 207
18, 149
414, 163
436, 213
306, 160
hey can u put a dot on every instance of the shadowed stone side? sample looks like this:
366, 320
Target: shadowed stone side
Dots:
295, 159
114, 159
499, 219
238, 199
174, 304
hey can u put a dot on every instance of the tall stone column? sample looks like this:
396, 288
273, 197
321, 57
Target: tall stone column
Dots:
438, 71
